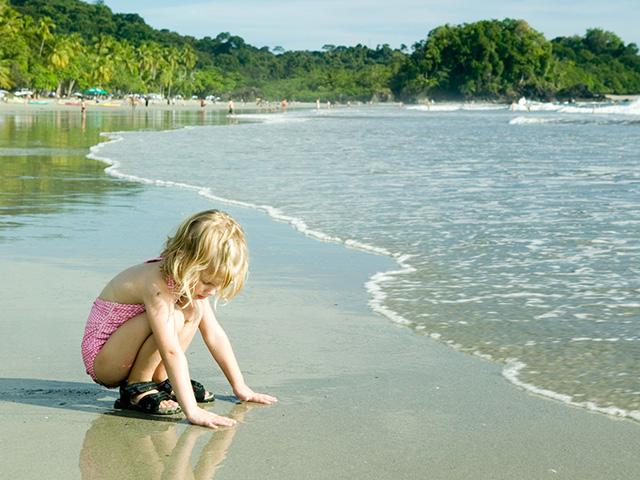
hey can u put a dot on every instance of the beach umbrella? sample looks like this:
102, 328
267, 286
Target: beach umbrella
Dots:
95, 91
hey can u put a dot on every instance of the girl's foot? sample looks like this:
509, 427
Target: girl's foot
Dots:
202, 395
145, 397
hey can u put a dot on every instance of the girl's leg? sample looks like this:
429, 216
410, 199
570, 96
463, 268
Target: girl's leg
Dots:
185, 336
131, 353
119, 354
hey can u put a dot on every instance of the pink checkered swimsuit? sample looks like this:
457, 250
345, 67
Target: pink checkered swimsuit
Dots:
104, 319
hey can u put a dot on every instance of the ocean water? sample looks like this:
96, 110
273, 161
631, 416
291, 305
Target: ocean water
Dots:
43, 164
516, 231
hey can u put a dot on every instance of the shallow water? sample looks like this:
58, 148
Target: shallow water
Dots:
516, 232
43, 164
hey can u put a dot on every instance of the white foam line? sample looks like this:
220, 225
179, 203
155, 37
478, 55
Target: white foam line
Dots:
373, 285
511, 372
378, 296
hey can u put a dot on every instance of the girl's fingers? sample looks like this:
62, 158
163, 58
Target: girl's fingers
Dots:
263, 398
214, 421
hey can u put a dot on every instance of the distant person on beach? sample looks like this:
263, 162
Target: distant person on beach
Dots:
146, 316
283, 105
83, 105
317, 104
202, 104
232, 107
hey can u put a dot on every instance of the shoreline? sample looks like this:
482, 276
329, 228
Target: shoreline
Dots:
366, 375
220, 108
510, 369
121, 105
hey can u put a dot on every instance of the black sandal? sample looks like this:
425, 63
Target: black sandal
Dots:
149, 403
198, 390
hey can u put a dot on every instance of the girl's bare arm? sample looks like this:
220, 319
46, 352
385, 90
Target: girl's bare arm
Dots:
219, 345
161, 311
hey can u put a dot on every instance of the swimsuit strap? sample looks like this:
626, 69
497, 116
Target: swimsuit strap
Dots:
171, 283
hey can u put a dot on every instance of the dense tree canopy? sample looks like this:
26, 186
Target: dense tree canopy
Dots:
505, 59
597, 62
66, 45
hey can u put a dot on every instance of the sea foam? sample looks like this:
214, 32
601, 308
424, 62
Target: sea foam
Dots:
511, 372
529, 120
453, 107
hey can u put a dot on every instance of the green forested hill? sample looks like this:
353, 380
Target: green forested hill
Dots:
597, 62
65, 45
90, 20
490, 59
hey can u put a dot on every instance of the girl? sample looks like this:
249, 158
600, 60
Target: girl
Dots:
145, 318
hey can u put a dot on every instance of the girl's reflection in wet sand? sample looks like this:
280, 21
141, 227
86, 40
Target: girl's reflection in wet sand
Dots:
117, 447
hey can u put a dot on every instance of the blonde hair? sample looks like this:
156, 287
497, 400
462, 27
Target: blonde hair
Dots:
208, 244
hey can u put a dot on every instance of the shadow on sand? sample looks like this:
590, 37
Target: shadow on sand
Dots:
82, 397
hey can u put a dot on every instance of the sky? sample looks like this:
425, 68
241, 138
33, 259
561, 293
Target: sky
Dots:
308, 25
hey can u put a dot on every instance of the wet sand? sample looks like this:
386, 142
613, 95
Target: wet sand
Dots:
359, 396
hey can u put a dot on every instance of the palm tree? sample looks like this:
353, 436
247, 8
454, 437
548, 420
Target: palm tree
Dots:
127, 75
103, 61
172, 62
188, 57
45, 31
11, 24
13, 48
9, 20
187, 63
5, 74
127, 55
149, 61
62, 60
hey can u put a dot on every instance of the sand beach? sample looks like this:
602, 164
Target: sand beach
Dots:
20, 104
360, 397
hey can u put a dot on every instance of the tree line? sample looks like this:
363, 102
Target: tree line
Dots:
69, 45
507, 59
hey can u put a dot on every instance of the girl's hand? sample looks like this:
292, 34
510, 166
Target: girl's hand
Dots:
245, 394
208, 419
